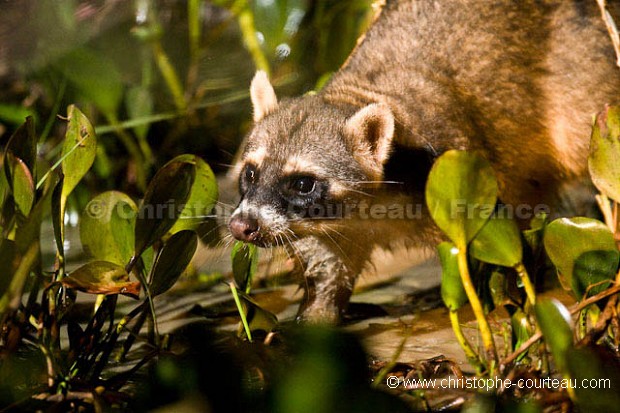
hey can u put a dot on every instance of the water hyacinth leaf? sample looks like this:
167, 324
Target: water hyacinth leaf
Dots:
452, 291
498, 242
78, 151
21, 183
23, 144
163, 202
521, 329
258, 318
107, 227
554, 321
102, 277
534, 235
461, 191
600, 371
592, 269
202, 198
244, 259
605, 152
96, 77
566, 241
172, 260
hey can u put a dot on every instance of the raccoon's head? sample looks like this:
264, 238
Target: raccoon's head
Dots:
304, 163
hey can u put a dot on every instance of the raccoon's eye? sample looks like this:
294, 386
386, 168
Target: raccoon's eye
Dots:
303, 185
250, 174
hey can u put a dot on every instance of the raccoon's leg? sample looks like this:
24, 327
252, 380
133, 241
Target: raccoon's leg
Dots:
328, 281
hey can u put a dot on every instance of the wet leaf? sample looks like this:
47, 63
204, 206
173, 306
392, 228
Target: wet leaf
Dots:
554, 321
23, 144
244, 259
460, 193
258, 318
452, 291
102, 277
521, 329
605, 152
163, 202
498, 242
96, 77
78, 151
583, 250
595, 380
107, 227
173, 259
21, 183
202, 198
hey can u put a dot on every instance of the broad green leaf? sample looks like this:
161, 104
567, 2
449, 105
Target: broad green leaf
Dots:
21, 183
107, 227
23, 144
244, 259
139, 105
498, 242
605, 153
596, 380
172, 260
258, 318
583, 250
78, 151
521, 329
95, 77
452, 291
102, 277
554, 321
163, 202
460, 194
202, 198
534, 235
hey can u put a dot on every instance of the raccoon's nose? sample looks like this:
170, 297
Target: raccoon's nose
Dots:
244, 229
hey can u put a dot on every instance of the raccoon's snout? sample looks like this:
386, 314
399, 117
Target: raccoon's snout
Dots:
244, 228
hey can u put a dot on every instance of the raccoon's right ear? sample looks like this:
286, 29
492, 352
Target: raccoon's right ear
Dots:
264, 100
369, 134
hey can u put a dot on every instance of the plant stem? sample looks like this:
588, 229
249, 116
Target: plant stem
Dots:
244, 320
483, 324
169, 75
460, 337
248, 30
527, 283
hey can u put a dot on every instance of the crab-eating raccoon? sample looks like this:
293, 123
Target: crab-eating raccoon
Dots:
335, 174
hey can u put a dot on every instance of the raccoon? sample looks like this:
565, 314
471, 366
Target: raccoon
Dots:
335, 174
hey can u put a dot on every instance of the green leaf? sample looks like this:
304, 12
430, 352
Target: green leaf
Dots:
600, 374
460, 193
521, 328
554, 321
605, 152
202, 198
498, 242
15, 114
258, 318
102, 277
95, 77
163, 202
172, 260
583, 250
452, 291
23, 144
244, 259
107, 227
78, 151
21, 183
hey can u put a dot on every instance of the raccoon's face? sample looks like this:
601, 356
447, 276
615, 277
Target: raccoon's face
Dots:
304, 164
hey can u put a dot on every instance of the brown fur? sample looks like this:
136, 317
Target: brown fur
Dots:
516, 80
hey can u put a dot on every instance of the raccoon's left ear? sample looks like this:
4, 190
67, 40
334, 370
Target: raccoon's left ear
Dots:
264, 100
369, 134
